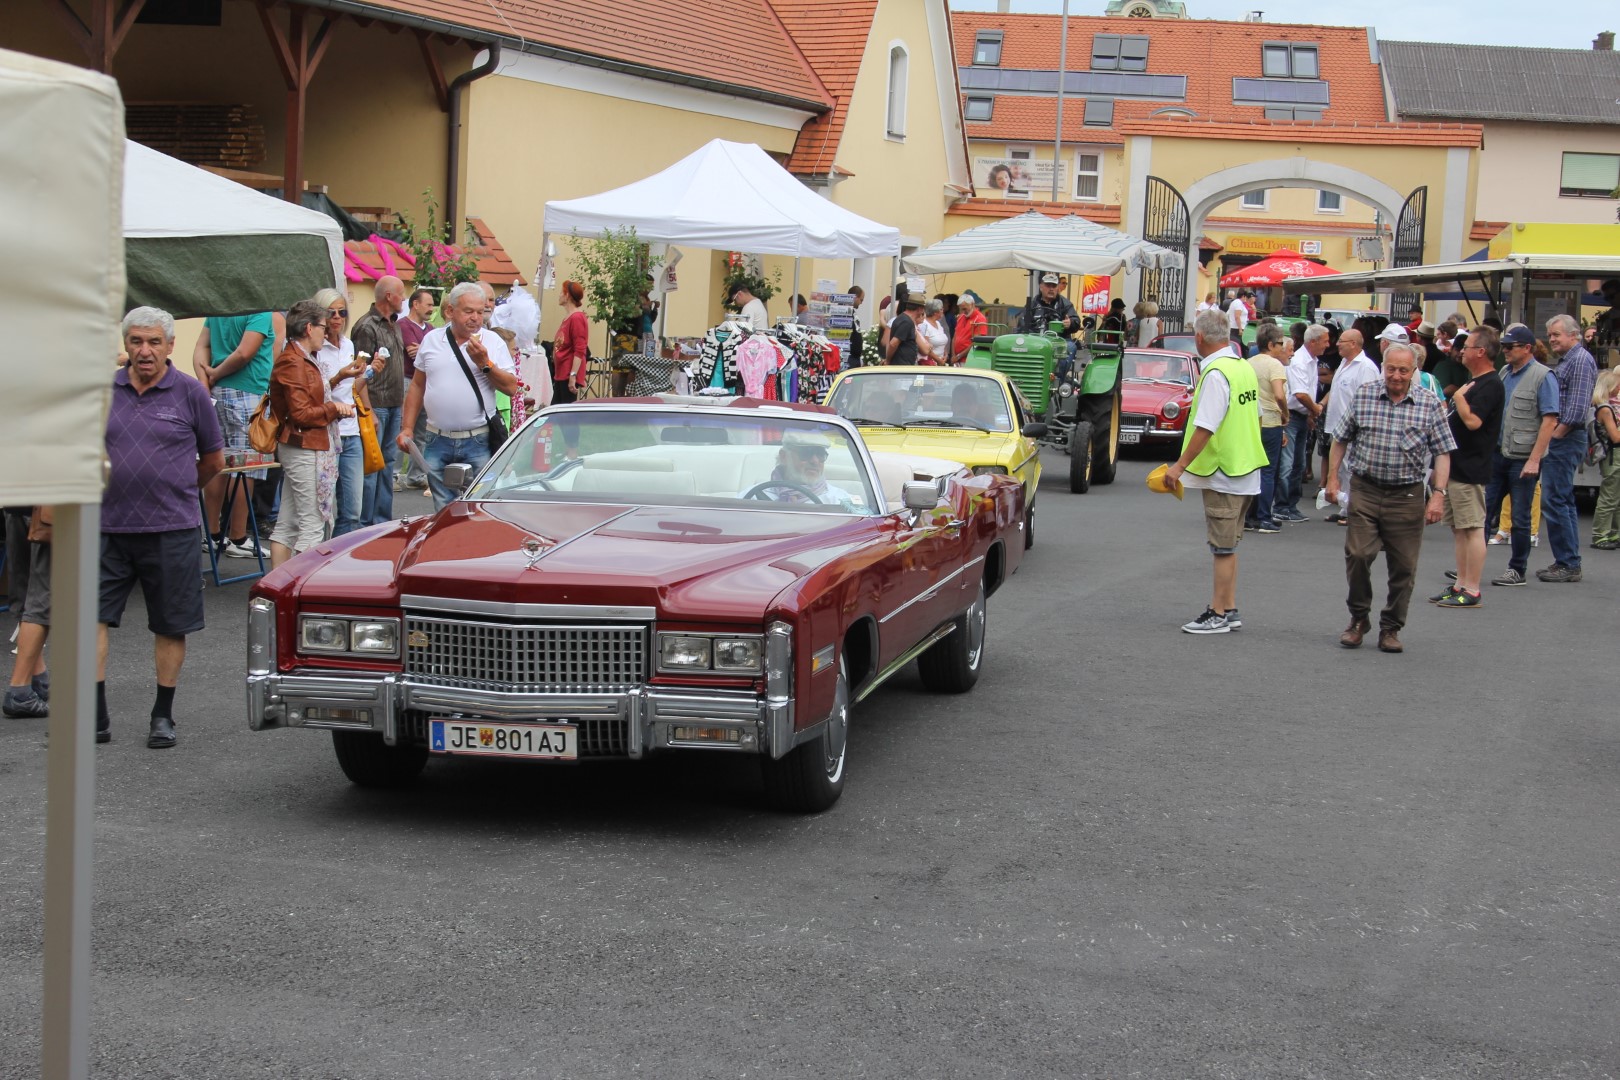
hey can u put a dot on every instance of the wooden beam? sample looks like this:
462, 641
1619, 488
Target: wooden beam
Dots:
126, 19
279, 45
75, 26
292, 165
317, 47
441, 89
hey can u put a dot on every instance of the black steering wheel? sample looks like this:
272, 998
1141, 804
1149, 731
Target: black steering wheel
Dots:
763, 486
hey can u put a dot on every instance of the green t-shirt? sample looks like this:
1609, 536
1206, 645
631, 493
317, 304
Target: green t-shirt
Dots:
1450, 373
225, 334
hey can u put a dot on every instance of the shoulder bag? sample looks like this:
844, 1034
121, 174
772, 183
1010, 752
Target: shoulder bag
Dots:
371, 448
264, 430
497, 426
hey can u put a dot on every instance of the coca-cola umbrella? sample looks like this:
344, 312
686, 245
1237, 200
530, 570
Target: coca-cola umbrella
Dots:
1281, 265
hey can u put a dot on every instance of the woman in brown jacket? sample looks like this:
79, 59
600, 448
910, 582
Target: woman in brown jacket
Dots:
300, 398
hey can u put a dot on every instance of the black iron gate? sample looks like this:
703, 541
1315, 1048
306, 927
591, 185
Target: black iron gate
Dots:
1168, 225
1409, 249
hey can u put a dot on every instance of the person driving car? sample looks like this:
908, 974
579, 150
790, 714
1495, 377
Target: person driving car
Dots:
801, 463
967, 404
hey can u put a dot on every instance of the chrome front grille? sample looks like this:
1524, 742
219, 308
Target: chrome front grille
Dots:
525, 658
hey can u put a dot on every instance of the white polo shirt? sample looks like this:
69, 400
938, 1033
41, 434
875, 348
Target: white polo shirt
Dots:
447, 399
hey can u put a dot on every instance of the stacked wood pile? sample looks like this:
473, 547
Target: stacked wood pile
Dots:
224, 136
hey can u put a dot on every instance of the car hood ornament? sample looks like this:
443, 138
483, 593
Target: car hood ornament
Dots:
533, 551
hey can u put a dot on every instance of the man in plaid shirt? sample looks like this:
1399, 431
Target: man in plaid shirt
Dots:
1576, 373
1393, 432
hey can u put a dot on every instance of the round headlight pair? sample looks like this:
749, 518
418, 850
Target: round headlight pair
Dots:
1171, 410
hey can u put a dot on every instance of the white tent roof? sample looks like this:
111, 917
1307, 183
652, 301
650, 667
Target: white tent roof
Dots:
732, 197
1033, 241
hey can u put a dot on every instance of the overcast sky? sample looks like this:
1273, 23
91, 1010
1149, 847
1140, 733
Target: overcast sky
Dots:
1568, 24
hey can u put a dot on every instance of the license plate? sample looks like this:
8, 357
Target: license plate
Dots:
1130, 437
555, 742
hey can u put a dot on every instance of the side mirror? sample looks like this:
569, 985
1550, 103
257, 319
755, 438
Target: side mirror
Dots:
458, 476
1034, 430
920, 495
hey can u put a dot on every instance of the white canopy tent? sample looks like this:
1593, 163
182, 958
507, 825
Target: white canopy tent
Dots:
199, 244
732, 197
1033, 241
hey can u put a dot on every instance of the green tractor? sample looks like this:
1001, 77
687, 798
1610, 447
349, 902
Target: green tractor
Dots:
1080, 406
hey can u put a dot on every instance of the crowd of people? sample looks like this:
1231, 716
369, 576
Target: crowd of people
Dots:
1412, 425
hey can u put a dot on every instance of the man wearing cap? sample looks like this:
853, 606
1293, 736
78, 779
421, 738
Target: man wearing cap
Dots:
1528, 419
1576, 373
1222, 455
1393, 432
751, 307
800, 475
901, 347
970, 323
1047, 307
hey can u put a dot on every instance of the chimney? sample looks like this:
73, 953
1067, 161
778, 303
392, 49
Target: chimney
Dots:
1255, 16
1604, 42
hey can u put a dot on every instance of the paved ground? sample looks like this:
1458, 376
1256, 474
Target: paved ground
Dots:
1128, 853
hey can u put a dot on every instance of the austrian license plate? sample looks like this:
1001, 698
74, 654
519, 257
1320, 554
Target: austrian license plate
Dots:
558, 742
1130, 437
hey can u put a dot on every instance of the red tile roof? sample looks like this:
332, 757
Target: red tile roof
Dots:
1191, 47
1487, 230
832, 36
740, 44
494, 264
1031, 119
1105, 213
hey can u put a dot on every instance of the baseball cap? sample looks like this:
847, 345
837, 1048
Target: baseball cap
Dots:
1049, 279
1158, 481
1395, 333
1518, 335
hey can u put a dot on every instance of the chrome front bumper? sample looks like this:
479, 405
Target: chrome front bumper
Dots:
388, 705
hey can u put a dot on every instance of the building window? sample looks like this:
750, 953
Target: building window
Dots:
1285, 60
1119, 52
987, 48
899, 64
1283, 112
1088, 175
1099, 112
1329, 202
979, 108
1255, 200
1590, 175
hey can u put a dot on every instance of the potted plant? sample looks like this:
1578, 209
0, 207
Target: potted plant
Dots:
438, 266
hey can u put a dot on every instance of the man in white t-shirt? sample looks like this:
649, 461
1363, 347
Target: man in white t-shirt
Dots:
1303, 413
443, 387
751, 307
1355, 368
1237, 319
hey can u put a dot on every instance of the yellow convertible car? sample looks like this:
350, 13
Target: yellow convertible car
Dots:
971, 415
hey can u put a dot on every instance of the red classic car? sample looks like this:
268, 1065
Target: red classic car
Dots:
638, 576
1156, 388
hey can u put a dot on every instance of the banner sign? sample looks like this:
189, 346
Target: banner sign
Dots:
1094, 295
1016, 178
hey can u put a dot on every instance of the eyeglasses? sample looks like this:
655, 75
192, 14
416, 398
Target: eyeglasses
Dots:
809, 452
338, 313
318, 325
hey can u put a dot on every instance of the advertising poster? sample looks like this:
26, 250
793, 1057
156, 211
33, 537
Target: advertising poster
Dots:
1094, 295
1015, 178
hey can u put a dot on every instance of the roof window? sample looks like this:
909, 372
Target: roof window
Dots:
978, 108
1119, 52
1099, 112
987, 48
1288, 60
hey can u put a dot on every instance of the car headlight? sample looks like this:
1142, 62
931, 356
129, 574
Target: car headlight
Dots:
336, 635
1171, 410
989, 470
1066, 390
323, 635
738, 654
374, 636
677, 651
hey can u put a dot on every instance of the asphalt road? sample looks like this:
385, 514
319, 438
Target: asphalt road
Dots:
1129, 852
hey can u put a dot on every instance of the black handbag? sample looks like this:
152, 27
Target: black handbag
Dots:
496, 425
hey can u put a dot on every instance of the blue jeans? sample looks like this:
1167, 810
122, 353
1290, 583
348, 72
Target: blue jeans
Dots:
441, 451
377, 505
1262, 508
1292, 470
350, 485
1558, 497
1506, 479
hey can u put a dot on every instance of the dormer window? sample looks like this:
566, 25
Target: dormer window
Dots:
987, 48
1119, 52
979, 108
1287, 60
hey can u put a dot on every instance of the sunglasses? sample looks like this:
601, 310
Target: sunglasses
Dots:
808, 452
338, 313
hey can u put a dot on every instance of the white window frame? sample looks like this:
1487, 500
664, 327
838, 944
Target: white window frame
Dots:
1338, 208
894, 115
1097, 152
1265, 200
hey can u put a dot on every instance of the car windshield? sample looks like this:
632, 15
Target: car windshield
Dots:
922, 399
737, 458
1156, 367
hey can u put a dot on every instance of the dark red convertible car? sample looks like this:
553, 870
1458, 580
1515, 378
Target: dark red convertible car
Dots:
1156, 387
641, 576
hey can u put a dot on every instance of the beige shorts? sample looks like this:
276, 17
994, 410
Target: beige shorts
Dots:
1223, 517
1465, 506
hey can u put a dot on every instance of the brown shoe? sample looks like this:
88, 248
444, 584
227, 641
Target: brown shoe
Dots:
1389, 642
1351, 638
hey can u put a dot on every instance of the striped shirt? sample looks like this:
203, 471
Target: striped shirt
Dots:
1392, 442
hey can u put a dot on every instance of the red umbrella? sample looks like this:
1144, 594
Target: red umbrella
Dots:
1276, 268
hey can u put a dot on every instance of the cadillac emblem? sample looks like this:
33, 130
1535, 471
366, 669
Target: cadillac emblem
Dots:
417, 639
533, 551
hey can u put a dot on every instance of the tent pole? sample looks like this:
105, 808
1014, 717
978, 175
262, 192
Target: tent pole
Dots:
793, 304
70, 793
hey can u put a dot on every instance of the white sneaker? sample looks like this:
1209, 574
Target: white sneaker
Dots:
1497, 538
243, 550
1535, 539
1210, 622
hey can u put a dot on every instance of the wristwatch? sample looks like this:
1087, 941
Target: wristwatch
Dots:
1437, 491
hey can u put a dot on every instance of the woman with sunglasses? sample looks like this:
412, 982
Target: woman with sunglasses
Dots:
299, 398
344, 471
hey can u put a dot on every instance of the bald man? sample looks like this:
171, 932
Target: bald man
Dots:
377, 333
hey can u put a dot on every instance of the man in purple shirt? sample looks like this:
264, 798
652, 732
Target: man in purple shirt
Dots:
164, 444
1576, 373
